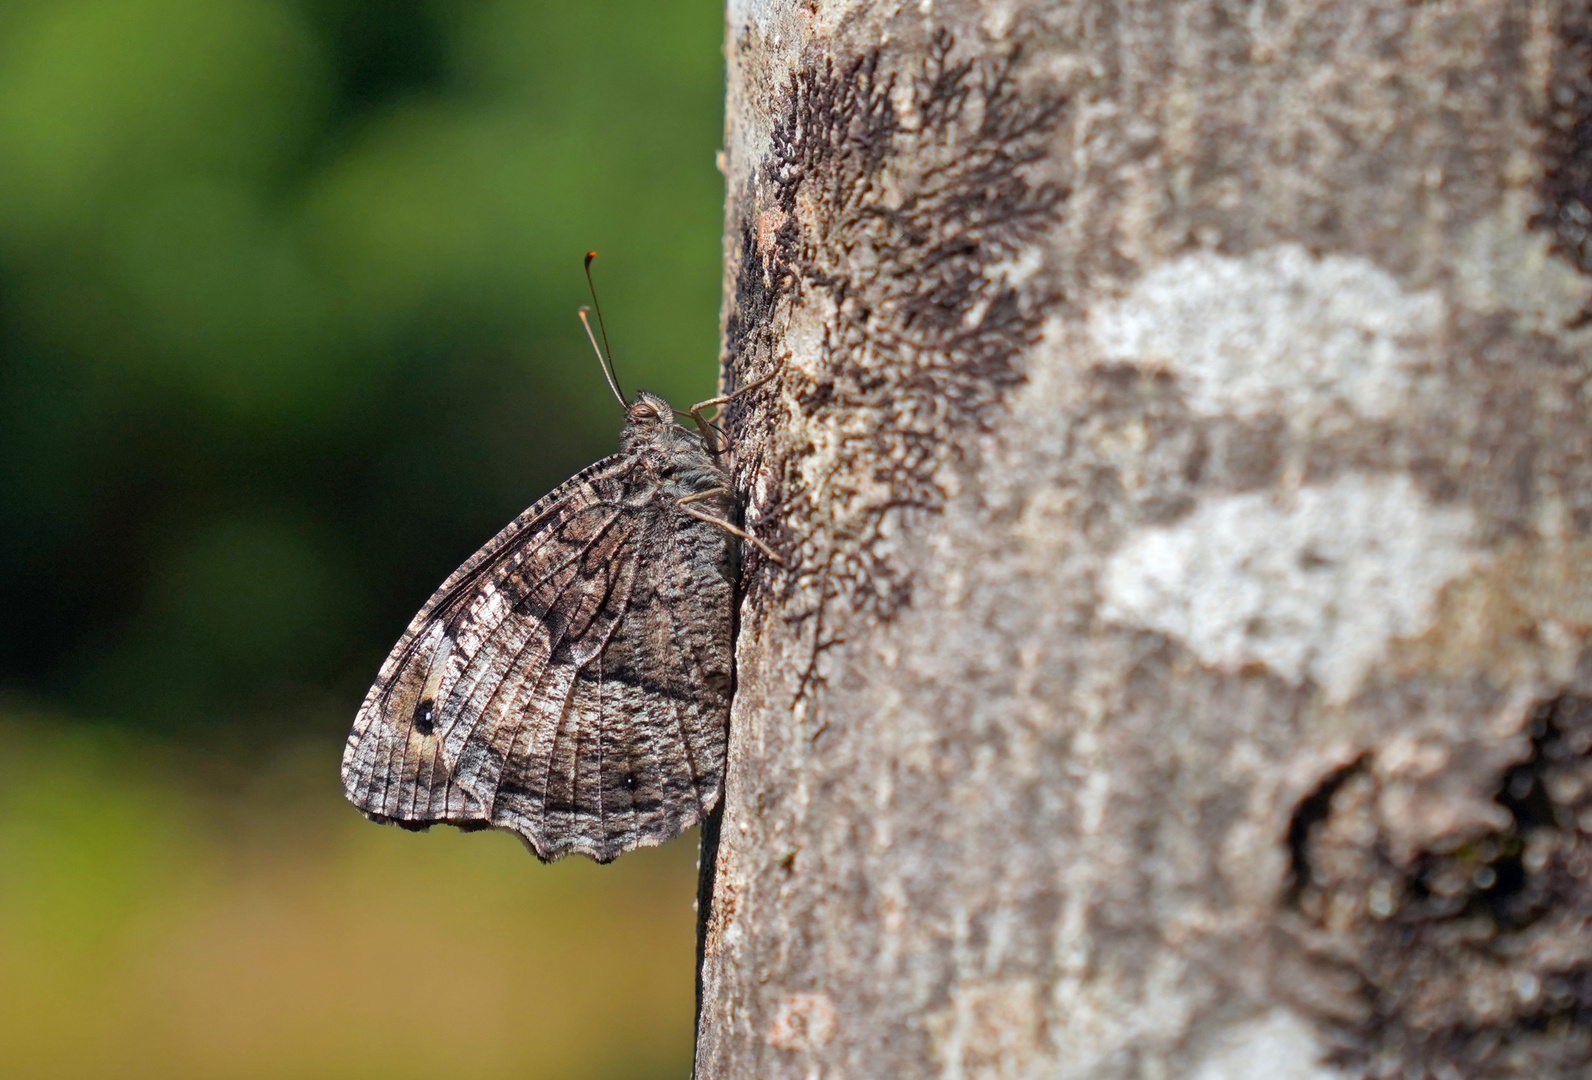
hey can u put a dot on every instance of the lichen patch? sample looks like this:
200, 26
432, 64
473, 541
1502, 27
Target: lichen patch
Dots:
1313, 587
1504, 265
1276, 1046
894, 255
1277, 330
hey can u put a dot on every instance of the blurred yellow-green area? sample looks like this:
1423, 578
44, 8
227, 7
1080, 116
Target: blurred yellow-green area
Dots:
287, 295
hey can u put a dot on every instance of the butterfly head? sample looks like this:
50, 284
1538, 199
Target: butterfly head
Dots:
648, 410
671, 450
649, 421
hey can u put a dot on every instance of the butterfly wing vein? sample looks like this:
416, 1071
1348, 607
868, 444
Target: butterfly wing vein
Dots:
569, 682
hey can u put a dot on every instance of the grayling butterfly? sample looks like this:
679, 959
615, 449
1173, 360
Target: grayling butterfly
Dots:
571, 681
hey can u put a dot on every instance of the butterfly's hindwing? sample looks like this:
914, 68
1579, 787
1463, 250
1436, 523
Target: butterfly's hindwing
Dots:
571, 681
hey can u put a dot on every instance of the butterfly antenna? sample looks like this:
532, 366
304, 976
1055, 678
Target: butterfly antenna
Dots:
605, 354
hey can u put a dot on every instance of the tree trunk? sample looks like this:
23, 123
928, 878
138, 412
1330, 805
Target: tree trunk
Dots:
1181, 455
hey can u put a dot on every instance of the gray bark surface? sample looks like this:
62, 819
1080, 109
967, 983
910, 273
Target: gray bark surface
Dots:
1182, 462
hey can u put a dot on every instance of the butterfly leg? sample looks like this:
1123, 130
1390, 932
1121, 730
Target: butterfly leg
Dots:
721, 523
700, 407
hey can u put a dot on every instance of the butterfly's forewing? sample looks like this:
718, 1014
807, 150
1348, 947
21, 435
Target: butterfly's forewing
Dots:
569, 682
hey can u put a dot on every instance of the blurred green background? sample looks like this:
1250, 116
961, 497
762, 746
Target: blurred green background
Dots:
287, 294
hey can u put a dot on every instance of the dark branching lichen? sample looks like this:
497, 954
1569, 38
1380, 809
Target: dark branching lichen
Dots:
1565, 147
1473, 961
899, 204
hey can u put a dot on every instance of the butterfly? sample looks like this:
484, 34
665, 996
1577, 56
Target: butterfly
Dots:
571, 681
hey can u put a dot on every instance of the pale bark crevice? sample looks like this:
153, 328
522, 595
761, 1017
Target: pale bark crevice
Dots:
1182, 457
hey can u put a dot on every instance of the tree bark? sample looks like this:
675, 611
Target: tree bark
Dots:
1181, 457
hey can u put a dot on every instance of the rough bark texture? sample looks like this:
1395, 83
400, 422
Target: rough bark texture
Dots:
1182, 456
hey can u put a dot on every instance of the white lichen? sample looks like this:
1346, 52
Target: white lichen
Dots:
1276, 1046
1504, 265
1313, 585
1277, 330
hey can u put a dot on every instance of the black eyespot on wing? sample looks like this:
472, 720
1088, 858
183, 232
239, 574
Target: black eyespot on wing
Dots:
603, 595
422, 720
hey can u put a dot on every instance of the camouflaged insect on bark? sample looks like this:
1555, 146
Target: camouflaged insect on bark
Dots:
571, 681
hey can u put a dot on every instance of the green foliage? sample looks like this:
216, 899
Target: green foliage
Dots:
287, 326
162, 915
287, 329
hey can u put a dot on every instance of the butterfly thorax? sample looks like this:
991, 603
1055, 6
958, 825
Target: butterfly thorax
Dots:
673, 454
